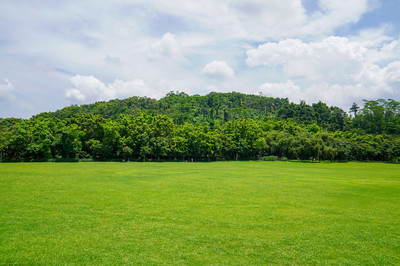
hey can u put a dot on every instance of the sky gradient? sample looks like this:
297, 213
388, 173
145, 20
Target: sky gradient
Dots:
57, 53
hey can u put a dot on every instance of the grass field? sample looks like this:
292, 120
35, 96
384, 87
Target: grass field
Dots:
200, 213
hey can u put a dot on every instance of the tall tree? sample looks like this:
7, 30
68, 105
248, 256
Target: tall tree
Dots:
354, 109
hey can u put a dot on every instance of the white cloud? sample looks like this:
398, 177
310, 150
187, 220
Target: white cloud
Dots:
117, 39
6, 90
284, 90
336, 70
336, 13
266, 19
136, 87
166, 47
260, 19
75, 95
89, 89
373, 37
379, 81
392, 76
218, 70
332, 59
372, 82
332, 94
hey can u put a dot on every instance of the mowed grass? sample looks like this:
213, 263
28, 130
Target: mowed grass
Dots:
200, 213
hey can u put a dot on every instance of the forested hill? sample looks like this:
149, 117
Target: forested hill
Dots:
381, 116
217, 126
211, 108
215, 108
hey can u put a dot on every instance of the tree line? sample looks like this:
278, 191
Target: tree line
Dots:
218, 126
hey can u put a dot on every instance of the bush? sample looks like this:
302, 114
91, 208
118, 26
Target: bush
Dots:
283, 159
269, 158
395, 160
86, 160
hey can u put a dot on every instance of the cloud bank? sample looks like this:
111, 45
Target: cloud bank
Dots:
87, 89
336, 70
67, 52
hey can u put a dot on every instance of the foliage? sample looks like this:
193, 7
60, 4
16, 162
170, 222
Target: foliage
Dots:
270, 158
218, 126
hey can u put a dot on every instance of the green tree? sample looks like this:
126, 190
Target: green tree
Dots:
354, 109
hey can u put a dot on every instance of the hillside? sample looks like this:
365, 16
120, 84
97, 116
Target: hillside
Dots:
217, 126
214, 108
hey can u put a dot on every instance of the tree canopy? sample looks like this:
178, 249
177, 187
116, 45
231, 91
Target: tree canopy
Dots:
217, 126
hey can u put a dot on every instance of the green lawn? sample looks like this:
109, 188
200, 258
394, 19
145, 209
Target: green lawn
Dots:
200, 213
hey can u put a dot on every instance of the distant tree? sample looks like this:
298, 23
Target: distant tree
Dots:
322, 113
354, 109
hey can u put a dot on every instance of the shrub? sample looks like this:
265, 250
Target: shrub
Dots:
86, 160
269, 158
395, 160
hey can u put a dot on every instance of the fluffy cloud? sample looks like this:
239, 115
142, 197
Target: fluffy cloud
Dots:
166, 47
332, 59
6, 90
257, 19
89, 89
380, 80
392, 76
336, 13
335, 94
284, 90
371, 82
218, 70
262, 19
336, 70
149, 39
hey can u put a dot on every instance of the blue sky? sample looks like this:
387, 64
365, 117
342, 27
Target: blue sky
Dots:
57, 53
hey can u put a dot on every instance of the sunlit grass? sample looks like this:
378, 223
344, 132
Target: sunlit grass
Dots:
200, 213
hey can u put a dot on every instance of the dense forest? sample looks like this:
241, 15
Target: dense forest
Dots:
217, 126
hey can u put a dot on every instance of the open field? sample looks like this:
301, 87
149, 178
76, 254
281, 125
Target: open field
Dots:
200, 213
